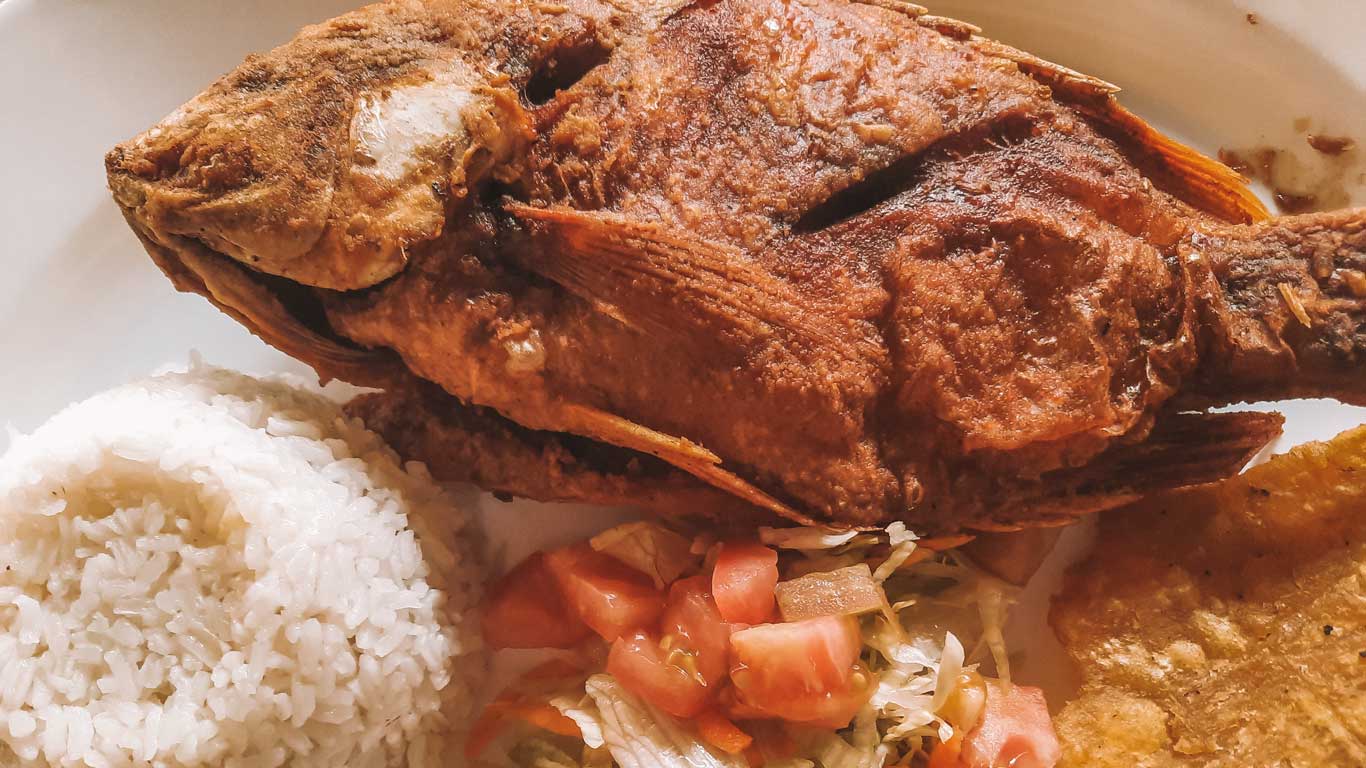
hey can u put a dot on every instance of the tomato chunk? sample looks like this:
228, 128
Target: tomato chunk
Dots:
656, 675
1015, 730
524, 609
693, 624
803, 671
744, 580
608, 595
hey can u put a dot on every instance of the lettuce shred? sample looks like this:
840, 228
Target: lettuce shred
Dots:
640, 736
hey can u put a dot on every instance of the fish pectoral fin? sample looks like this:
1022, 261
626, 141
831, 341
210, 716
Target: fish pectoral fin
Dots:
671, 284
707, 296
678, 451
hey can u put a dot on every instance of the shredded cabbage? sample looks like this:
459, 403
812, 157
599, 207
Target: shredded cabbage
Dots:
539, 753
898, 533
640, 736
791, 762
584, 714
950, 664
650, 548
993, 603
805, 538
903, 544
863, 747
917, 672
912, 649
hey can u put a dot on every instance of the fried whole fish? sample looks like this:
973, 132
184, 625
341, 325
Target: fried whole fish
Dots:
845, 261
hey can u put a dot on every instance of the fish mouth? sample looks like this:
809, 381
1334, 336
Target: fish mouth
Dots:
273, 309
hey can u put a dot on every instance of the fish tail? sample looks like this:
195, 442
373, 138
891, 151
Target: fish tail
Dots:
1286, 315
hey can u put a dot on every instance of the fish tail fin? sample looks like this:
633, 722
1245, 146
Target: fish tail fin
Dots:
1288, 317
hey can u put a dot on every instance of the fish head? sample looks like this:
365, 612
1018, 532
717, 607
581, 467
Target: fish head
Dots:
321, 162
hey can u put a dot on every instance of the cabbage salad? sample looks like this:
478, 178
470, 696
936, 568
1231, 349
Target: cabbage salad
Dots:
798, 648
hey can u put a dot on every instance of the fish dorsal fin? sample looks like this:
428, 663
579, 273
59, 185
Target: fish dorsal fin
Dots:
1201, 181
904, 7
675, 285
1197, 179
1061, 79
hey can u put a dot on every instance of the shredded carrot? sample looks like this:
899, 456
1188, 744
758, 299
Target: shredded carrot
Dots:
721, 733
546, 717
485, 730
496, 717
946, 753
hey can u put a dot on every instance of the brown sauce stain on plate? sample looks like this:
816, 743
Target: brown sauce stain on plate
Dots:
1301, 184
1331, 145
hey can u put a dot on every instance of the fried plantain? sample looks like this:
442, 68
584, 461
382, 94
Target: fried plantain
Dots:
1225, 625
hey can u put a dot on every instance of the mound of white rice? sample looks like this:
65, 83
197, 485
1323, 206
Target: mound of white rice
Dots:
205, 568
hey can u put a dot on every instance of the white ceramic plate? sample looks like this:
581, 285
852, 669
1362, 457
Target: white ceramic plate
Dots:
82, 308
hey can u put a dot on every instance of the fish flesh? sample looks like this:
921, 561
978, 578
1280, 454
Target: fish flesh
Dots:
846, 262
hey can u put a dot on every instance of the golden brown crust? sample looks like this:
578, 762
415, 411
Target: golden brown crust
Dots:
461, 443
1224, 625
1292, 323
845, 261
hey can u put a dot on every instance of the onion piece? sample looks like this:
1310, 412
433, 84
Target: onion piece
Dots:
649, 548
848, 591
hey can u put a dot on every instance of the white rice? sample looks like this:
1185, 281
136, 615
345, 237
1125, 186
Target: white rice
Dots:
205, 568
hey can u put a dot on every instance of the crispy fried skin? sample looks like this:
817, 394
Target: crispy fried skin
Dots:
1226, 625
461, 443
841, 260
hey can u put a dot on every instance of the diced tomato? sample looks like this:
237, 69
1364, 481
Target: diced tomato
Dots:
743, 581
1015, 730
525, 610
773, 742
802, 671
608, 595
692, 623
646, 670
946, 754
728, 701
